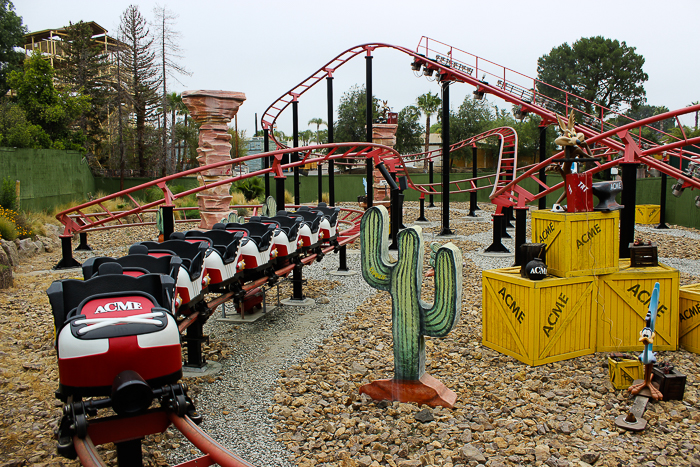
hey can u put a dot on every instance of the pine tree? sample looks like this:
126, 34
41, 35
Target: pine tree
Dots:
84, 70
138, 59
167, 54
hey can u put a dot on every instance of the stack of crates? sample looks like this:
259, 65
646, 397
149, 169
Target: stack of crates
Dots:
689, 306
591, 302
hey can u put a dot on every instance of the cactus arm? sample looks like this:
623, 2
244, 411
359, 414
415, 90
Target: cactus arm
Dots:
443, 316
409, 344
376, 267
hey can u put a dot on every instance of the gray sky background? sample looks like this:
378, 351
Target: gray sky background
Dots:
264, 48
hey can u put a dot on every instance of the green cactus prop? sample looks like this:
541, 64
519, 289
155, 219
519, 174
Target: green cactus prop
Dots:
412, 319
269, 208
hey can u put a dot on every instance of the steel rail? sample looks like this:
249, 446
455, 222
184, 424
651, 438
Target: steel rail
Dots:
531, 92
82, 222
454, 70
206, 443
641, 156
87, 452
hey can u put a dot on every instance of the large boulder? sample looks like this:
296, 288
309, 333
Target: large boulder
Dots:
28, 248
50, 244
11, 250
5, 270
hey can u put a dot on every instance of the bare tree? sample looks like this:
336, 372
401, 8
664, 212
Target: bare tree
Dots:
138, 58
169, 52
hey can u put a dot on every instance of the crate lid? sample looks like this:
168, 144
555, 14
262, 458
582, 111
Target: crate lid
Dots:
573, 216
660, 268
513, 276
690, 291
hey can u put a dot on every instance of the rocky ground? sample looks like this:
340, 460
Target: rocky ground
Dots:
507, 413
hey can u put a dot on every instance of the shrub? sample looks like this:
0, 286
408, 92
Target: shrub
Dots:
252, 188
153, 194
238, 198
7, 229
20, 227
187, 202
8, 194
175, 189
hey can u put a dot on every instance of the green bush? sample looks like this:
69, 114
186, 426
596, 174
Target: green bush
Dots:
252, 188
8, 195
153, 194
7, 229
188, 202
175, 189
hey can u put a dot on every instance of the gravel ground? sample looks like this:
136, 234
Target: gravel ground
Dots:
287, 392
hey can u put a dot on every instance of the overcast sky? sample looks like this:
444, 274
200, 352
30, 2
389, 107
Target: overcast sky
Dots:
265, 48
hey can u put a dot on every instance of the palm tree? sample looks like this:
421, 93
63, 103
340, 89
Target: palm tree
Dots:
173, 102
306, 137
428, 104
318, 122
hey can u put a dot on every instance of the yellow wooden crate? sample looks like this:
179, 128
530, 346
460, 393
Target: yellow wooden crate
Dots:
623, 302
538, 322
689, 306
578, 244
647, 214
623, 373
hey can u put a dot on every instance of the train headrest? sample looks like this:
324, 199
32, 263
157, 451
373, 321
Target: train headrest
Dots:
138, 249
219, 226
177, 236
111, 267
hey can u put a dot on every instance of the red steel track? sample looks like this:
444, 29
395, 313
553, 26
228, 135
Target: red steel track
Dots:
118, 430
76, 219
526, 93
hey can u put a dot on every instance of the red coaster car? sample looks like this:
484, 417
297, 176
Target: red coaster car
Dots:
113, 323
329, 224
223, 261
256, 248
136, 264
192, 280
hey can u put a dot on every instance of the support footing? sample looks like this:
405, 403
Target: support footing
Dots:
347, 272
426, 390
211, 368
297, 302
248, 318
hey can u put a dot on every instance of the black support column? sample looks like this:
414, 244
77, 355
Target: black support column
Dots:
368, 118
629, 201
67, 261
472, 196
543, 156
430, 180
662, 200
166, 214
446, 159
295, 155
520, 231
266, 160
279, 192
331, 168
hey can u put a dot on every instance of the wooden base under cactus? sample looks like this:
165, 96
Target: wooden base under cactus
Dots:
426, 390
